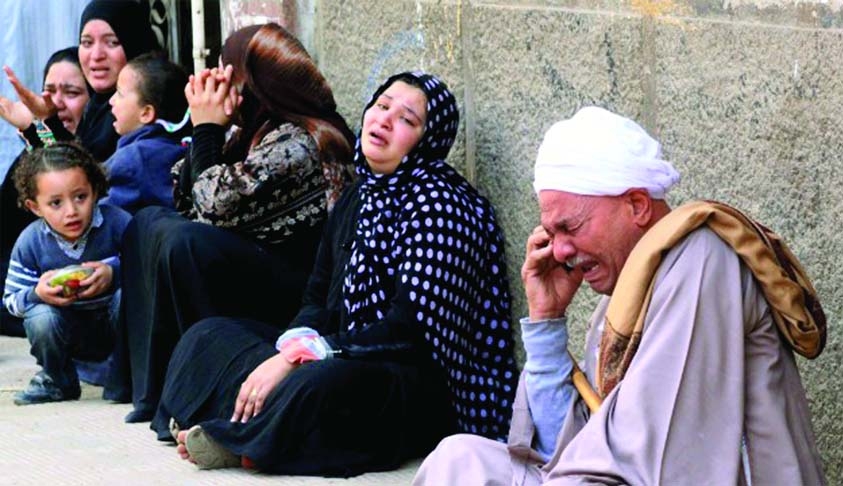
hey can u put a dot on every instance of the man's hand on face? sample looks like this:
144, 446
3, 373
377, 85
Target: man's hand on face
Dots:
550, 285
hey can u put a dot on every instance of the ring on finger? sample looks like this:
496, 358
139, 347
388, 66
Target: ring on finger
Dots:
254, 393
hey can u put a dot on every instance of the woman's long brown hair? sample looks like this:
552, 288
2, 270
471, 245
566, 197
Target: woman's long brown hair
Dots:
281, 83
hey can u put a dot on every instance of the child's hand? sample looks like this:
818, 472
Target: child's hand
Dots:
98, 282
52, 295
208, 95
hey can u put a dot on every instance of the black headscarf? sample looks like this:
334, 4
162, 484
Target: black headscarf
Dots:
129, 19
68, 54
426, 238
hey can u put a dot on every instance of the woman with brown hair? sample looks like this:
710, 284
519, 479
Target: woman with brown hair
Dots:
253, 207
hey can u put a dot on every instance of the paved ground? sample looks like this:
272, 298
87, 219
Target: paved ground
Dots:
86, 442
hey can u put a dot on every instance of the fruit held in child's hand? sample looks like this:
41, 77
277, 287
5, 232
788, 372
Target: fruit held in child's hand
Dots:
69, 278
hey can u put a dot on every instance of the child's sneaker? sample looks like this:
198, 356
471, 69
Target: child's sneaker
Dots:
42, 389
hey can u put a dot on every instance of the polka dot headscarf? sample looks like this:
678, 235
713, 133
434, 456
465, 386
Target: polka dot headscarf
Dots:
428, 250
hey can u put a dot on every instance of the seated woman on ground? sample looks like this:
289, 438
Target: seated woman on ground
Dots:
150, 112
404, 335
255, 207
64, 82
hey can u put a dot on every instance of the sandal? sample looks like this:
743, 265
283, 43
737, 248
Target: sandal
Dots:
206, 452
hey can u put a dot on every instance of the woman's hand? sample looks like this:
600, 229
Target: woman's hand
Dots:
41, 106
52, 295
98, 282
234, 99
259, 385
211, 96
16, 113
549, 286
232, 102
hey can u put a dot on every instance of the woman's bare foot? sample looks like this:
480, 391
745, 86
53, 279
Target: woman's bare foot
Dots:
181, 448
196, 446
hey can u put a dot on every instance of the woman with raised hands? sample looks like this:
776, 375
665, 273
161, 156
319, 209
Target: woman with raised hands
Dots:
252, 207
404, 334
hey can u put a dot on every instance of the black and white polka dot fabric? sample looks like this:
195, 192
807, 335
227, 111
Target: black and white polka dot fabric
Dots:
427, 241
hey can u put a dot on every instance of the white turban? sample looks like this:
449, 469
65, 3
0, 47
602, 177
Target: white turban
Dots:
599, 153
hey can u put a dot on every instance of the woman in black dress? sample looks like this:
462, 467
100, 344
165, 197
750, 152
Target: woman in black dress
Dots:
252, 208
404, 335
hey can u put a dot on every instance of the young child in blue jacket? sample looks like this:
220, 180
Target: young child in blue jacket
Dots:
150, 112
61, 184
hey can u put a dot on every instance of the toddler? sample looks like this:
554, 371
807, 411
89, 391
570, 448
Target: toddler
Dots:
150, 112
61, 184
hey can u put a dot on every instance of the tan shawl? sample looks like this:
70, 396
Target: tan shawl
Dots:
792, 299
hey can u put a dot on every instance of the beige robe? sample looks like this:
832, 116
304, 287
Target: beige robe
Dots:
710, 375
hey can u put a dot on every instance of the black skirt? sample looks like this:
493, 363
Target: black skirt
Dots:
176, 272
334, 417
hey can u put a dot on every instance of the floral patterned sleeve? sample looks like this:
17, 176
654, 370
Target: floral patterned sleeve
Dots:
279, 187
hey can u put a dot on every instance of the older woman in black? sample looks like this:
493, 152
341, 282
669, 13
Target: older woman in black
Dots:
404, 335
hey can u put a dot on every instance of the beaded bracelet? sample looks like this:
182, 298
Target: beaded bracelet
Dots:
44, 133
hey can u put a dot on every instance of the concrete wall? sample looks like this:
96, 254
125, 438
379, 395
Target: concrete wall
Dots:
746, 96
297, 16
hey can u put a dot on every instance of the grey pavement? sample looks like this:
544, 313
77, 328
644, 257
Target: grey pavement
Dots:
86, 442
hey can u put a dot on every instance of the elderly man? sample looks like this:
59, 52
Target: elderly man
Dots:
690, 349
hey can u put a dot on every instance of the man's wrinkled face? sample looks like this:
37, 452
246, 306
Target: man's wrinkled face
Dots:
594, 233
